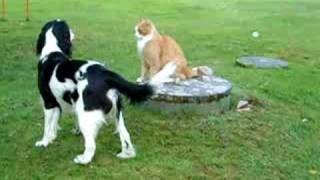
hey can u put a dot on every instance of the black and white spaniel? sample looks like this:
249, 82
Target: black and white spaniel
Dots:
92, 90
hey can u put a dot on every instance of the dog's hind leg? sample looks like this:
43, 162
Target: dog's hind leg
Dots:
127, 149
89, 123
51, 118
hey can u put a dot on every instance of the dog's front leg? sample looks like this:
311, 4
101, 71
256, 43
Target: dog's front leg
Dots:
51, 118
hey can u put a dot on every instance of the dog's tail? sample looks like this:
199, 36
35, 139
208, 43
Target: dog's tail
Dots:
164, 75
135, 92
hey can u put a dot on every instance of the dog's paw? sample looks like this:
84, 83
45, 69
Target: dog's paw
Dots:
127, 154
81, 159
42, 143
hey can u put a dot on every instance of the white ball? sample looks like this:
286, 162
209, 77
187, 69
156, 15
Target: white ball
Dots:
255, 34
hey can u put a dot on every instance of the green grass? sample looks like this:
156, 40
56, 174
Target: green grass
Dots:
270, 142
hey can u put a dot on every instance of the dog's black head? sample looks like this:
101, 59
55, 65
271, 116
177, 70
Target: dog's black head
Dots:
62, 34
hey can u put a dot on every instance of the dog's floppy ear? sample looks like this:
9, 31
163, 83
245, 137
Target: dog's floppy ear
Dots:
65, 44
42, 37
40, 42
64, 37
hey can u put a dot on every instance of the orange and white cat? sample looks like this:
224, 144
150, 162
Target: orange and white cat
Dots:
157, 51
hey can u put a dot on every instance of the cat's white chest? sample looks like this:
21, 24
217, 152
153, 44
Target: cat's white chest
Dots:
141, 43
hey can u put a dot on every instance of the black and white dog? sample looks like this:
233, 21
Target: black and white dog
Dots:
92, 90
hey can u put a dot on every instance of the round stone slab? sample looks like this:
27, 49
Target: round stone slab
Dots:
262, 62
201, 95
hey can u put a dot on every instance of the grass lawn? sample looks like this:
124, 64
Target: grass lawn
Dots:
270, 142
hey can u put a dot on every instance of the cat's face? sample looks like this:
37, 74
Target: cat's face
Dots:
143, 29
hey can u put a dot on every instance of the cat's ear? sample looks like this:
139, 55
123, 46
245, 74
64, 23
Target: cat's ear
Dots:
150, 23
141, 19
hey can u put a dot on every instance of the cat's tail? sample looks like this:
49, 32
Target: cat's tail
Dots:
164, 75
